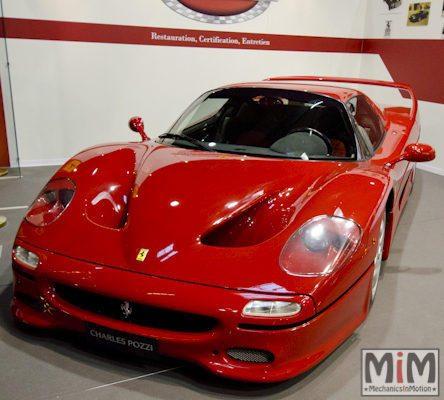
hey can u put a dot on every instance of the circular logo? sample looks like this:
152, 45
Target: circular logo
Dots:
219, 11
219, 7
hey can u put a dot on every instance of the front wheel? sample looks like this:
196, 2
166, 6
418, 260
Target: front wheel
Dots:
378, 259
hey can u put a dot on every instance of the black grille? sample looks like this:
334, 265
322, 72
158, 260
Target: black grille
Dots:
24, 274
141, 314
251, 355
30, 301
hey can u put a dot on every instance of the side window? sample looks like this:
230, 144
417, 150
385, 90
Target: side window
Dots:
367, 119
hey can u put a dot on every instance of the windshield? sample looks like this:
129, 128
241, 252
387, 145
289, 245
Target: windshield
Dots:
267, 123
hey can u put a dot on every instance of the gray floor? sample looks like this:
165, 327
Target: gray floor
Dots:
408, 313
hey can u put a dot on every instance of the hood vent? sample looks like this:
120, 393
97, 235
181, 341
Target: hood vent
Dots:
260, 222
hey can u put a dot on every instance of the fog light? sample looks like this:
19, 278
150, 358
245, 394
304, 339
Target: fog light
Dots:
261, 308
26, 257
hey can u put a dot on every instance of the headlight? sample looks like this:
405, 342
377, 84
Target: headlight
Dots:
320, 246
26, 257
51, 202
261, 308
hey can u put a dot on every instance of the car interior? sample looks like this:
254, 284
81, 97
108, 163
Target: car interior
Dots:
302, 125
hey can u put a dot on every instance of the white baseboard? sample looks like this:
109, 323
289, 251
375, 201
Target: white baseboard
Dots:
42, 163
428, 168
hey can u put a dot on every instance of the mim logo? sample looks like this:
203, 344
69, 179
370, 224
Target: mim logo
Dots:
400, 372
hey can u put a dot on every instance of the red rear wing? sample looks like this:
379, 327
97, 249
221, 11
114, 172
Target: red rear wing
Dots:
401, 86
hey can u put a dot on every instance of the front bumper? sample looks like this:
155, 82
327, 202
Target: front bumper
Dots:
296, 344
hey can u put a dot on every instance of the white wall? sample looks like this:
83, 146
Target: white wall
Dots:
286, 17
432, 133
431, 114
70, 95
376, 20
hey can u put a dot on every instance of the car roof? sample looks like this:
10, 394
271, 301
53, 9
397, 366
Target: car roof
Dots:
340, 93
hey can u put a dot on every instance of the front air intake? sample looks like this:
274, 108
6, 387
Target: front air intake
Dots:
142, 314
251, 355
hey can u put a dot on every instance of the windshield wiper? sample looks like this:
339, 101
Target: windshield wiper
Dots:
194, 141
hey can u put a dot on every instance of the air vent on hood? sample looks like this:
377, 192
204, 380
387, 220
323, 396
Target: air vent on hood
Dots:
110, 184
260, 222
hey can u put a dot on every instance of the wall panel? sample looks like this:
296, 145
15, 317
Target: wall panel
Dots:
80, 70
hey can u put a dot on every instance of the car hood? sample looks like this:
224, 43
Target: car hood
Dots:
169, 199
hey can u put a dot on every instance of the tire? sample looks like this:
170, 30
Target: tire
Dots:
378, 259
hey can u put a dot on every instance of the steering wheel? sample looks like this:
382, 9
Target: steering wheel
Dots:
318, 134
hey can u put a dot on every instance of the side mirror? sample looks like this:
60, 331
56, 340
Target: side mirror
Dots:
136, 125
416, 152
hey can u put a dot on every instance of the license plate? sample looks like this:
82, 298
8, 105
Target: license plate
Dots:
122, 341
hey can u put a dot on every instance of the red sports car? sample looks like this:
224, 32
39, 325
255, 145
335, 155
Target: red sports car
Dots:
248, 239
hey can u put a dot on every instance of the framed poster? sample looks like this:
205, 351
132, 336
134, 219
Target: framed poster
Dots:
418, 14
391, 6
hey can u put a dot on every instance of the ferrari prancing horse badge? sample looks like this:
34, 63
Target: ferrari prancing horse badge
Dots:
142, 254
